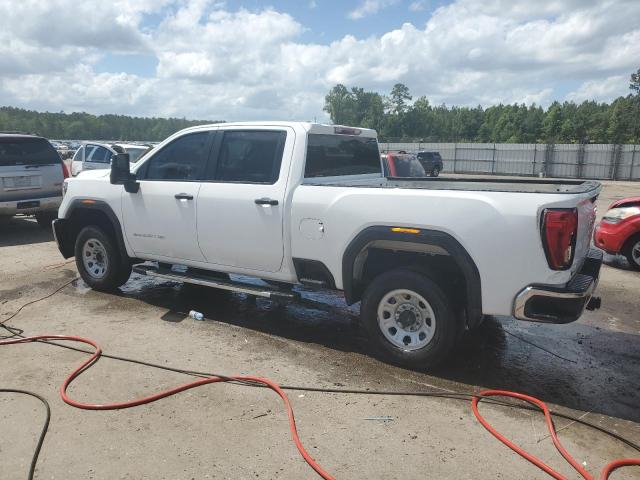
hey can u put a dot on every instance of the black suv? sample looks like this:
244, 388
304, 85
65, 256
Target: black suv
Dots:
431, 162
31, 177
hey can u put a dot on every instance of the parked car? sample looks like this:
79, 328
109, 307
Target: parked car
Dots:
401, 165
619, 230
431, 162
97, 156
302, 203
31, 176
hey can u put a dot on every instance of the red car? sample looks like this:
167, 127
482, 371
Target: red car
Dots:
619, 231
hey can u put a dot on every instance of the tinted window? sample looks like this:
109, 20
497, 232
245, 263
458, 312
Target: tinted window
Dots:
182, 159
26, 151
250, 156
332, 155
99, 155
408, 166
425, 156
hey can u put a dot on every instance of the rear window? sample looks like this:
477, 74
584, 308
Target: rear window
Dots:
334, 155
27, 151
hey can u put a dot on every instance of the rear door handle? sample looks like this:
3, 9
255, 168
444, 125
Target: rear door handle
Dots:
266, 201
183, 196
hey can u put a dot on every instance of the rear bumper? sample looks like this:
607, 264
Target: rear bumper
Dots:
30, 206
564, 303
63, 235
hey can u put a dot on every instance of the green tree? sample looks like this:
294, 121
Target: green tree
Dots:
634, 82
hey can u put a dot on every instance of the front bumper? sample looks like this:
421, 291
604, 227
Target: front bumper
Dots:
64, 237
29, 206
564, 303
611, 237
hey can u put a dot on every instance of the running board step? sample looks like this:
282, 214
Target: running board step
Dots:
209, 281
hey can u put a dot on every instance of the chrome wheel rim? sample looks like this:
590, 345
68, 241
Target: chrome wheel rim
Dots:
635, 253
406, 319
94, 258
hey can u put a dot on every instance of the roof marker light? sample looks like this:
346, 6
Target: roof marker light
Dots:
346, 131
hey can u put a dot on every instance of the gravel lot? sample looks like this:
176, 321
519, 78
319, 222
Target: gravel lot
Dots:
231, 432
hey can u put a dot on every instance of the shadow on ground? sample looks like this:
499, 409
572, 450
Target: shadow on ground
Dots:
22, 231
587, 368
617, 261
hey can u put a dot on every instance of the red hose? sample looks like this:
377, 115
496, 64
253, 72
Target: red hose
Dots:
552, 432
166, 393
292, 423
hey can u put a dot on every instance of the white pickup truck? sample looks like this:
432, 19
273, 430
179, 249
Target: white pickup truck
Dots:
303, 203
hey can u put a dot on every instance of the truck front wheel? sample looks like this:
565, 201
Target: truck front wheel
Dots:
409, 319
99, 261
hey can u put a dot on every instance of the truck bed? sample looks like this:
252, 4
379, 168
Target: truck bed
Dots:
470, 184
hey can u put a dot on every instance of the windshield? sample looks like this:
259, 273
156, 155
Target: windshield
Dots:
334, 155
27, 151
135, 153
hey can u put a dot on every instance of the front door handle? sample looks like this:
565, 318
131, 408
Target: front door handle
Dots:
266, 201
183, 196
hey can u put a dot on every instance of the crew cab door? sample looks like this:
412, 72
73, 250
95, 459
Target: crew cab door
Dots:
160, 219
241, 203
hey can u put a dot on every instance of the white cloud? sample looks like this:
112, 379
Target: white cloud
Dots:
214, 63
602, 90
370, 7
418, 6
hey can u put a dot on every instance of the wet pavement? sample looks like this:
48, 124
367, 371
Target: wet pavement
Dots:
590, 368
582, 366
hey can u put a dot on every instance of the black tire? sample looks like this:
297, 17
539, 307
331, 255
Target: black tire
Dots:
632, 244
116, 270
435, 172
446, 326
44, 219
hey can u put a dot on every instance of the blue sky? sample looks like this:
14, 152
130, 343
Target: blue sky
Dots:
249, 59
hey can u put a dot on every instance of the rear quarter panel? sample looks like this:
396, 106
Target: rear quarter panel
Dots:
499, 230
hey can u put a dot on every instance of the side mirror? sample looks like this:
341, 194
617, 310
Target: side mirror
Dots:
121, 173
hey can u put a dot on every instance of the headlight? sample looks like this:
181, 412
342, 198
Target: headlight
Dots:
616, 215
65, 186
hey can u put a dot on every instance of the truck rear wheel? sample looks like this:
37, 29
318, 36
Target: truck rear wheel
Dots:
99, 261
409, 319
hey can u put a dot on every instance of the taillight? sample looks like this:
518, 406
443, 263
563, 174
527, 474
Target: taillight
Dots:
65, 170
559, 231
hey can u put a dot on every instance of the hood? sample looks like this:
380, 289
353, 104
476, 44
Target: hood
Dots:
626, 202
94, 173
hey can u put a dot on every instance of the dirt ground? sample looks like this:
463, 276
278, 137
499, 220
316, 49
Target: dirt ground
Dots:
231, 432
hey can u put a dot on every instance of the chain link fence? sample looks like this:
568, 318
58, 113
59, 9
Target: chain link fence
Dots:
588, 161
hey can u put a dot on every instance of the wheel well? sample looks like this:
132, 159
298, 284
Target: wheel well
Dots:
628, 243
83, 217
442, 269
102, 217
433, 253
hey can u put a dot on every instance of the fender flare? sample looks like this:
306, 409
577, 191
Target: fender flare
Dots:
353, 292
64, 229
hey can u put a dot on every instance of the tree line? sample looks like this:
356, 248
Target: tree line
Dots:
84, 126
397, 118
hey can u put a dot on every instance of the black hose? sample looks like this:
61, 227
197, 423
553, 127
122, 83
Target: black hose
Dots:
45, 426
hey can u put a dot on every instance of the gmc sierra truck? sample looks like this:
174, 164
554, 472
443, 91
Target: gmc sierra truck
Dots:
303, 203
